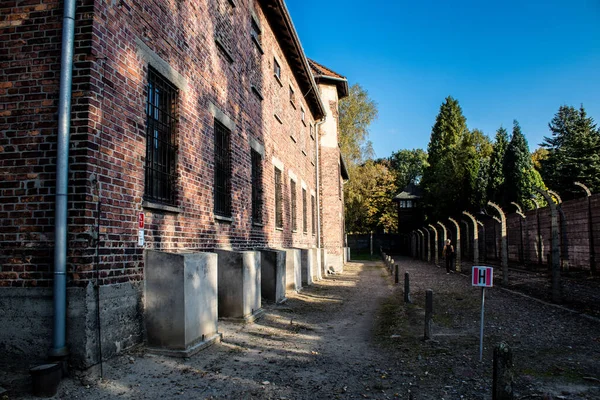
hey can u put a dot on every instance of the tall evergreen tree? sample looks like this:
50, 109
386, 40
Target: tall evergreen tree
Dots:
519, 175
573, 151
440, 178
495, 172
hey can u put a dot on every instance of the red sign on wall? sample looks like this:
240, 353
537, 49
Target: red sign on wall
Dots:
141, 221
483, 276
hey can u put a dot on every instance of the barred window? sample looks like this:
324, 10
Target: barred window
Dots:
313, 214
257, 174
293, 205
161, 140
278, 199
222, 188
304, 216
276, 69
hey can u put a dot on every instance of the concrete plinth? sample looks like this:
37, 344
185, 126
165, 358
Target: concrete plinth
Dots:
318, 264
239, 284
293, 273
307, 266
272, 267
181, 302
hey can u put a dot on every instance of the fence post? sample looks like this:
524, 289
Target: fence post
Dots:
428, 313
397, 275
502, 386
407, 288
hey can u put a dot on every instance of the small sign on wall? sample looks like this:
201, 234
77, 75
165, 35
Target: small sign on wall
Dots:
141, 229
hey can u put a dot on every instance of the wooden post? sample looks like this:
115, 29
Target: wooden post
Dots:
396, 274
428, 313
502, 386
407, 288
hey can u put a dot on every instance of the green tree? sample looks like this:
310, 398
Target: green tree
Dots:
495, 171
519, 175
441, 192
408, 166
573, 151
538, 157
357, 111
369, 206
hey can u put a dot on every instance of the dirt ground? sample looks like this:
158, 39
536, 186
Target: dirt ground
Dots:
350, 336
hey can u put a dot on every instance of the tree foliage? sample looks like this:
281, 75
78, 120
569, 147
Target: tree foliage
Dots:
408, 166
357, 111
495, 172
519, 175
451, 180
573, 151
368, 196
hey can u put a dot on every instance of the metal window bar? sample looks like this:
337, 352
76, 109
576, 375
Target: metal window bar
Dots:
257, 173
278, 199
304, 216
222, 188
161, 143
293, 205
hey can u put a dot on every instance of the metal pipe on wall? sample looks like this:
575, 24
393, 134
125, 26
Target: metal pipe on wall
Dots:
59, 348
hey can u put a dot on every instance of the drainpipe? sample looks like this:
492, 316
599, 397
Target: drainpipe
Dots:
59, 348
318, 172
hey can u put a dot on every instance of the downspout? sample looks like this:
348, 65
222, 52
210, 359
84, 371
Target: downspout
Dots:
59, 348
318, 172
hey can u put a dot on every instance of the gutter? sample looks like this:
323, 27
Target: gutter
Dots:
59, 348
318, 172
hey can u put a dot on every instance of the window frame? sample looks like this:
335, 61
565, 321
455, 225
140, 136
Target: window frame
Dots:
278, 180
293, 205
222, 204
257, 186
161, 122
304, 211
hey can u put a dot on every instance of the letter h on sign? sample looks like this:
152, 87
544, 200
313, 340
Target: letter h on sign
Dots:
483, 276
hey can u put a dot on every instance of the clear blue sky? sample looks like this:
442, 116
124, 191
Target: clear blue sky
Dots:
503, 60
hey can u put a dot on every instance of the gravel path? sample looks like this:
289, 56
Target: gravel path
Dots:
350, 337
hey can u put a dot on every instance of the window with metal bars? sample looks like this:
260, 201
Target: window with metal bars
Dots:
222, 186
257, 173
313, 206
304, 216
293, 205
278, 199
161, 140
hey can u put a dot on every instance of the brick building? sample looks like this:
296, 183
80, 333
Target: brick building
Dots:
204, 115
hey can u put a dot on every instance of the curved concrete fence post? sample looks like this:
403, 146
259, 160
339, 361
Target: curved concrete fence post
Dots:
592, 250
435, 243
563, 236
539, 244
421, 244
428, 244
475, 237
444, 233
457, 250
479, 223
521, 239
504, 241
467, 238
555, 262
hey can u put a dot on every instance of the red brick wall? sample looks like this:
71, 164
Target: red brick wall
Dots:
577, 233
108, 134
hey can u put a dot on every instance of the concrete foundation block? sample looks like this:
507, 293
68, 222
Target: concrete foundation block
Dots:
181, 302
273, 277
293, 272
307, 266
239, 284
318, 264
